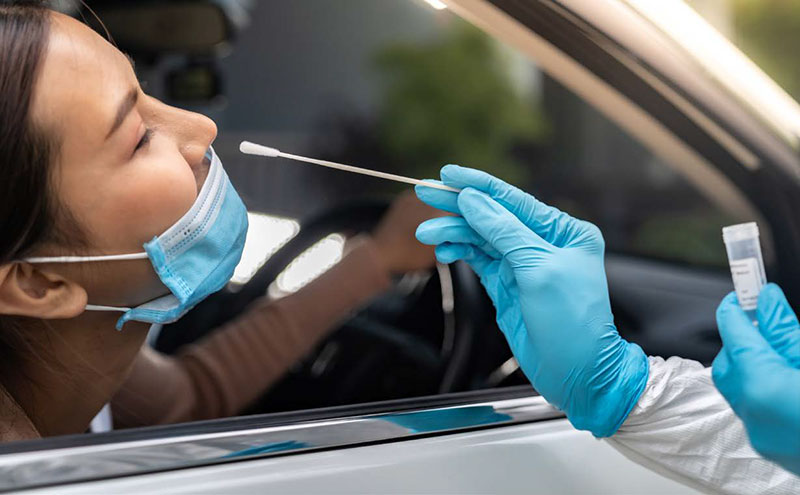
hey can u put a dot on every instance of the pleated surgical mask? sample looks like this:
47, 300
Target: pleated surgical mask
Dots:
194, 258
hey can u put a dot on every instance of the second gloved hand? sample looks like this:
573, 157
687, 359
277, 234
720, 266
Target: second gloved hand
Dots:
544, 271
758, 372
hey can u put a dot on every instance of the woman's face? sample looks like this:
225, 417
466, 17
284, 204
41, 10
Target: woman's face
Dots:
127, 165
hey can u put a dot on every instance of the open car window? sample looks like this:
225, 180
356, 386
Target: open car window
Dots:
404, 88
427, 89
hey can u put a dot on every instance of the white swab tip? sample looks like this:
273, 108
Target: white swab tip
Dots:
249, 148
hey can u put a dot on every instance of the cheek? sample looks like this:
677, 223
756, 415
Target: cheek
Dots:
122, 210
148, 201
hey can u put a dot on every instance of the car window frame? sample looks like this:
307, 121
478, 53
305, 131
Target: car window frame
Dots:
85, 458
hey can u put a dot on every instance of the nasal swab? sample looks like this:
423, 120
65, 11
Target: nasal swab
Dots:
249, 148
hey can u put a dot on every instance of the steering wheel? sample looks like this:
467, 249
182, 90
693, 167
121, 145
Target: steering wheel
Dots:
415, 339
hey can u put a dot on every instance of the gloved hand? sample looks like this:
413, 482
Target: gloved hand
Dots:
758, 372
544, 272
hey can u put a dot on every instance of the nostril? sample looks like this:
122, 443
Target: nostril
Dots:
200, 168
197, 155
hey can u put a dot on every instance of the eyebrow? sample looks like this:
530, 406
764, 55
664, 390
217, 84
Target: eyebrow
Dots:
123, 110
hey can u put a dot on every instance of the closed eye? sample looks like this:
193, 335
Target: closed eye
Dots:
148, 134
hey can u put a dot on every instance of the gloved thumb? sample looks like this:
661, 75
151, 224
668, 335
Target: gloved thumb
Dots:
499, 227
547, 222
778, 323
740, 338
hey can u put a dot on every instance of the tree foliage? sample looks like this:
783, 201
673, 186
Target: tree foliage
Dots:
769, 32
452, 100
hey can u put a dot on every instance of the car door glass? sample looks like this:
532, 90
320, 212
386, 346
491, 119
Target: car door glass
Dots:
341, 82
406, 96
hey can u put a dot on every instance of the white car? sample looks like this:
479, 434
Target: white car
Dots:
653, 121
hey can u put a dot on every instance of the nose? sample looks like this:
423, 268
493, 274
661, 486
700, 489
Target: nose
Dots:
200, 133
193, 133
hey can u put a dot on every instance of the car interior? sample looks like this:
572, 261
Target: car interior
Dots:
401, 87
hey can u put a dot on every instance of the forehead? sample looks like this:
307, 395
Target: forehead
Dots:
81, 81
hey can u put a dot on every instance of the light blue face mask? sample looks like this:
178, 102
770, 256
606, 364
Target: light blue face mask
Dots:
194, 258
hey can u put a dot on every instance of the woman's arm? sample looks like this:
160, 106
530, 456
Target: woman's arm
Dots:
224, 372
684, 429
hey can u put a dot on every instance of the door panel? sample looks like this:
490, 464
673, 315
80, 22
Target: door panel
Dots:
547, 457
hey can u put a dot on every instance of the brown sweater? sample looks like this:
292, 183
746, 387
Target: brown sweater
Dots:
224, 372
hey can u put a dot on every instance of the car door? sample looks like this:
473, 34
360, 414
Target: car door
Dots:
500, 442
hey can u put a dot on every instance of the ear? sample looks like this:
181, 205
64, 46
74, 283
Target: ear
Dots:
27, 290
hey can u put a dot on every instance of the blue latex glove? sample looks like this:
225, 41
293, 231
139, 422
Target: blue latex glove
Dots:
544, 272
758, 372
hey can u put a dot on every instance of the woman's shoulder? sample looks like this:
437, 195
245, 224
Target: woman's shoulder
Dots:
15, 424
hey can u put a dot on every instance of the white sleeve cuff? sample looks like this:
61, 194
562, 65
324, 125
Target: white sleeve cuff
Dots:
684, 429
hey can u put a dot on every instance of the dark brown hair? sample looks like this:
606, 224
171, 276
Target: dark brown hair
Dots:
27, 211
30, 213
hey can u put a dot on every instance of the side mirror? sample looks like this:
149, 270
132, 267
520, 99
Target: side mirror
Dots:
155, 28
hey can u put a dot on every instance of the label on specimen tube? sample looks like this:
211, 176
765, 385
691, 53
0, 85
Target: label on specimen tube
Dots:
747, 282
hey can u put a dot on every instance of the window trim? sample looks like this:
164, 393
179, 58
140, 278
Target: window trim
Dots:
85, 458
575, 53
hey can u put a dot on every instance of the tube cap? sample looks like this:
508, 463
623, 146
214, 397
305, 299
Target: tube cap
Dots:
740, 232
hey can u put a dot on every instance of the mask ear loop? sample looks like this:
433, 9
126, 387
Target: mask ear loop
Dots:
86, 259
95, 307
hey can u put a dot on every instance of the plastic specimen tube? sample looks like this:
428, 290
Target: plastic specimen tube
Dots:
747, 265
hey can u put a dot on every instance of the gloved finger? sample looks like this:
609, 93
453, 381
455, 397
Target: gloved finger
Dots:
499, 227
740, 338
486, 267
450, 253
721, 375
452, 230
474, 257
504, 296
550, 223
721, 365
507, 278
439, 199
778, 323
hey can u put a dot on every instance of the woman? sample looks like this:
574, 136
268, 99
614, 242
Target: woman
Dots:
90, 165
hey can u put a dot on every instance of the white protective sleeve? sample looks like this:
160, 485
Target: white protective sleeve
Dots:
683, 428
